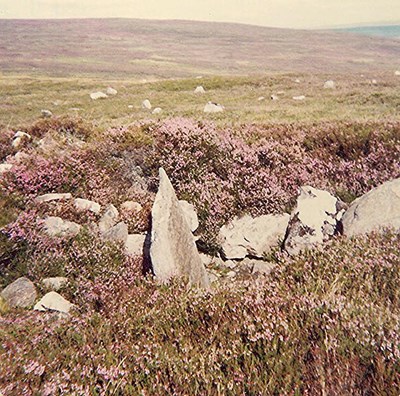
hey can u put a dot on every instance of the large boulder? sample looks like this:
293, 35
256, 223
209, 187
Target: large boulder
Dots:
252, 236
313, 221
21, 293
55, 226
173, 251
52, 301
377, 209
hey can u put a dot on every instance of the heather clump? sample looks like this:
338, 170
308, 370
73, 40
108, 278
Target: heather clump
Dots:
324, 322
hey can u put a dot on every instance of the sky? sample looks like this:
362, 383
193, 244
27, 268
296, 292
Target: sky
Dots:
275, 13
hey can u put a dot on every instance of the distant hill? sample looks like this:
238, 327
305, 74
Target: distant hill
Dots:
163, 49
391, 31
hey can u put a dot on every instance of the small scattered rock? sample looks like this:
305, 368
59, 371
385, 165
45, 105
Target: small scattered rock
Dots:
134, 244
20, 138
397, 73
85, 204
130, 106
157, 110
55, 283
5, 168
199, 90
109, 218
297, 81
52, 301
98, 95
212, 107
21, 293
52, 197
55, 226
261, 98
374, 82
111, 91
146, 104
173, 251
46, 113
329, 84
131, 206
118, 233
274, 97
377, 209
300, 97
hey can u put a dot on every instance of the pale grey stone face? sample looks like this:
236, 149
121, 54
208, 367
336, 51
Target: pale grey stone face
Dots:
21, 293
252, 236
173, 251
52, 301
375, 210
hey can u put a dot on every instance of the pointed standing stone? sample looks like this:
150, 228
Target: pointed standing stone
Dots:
173, 251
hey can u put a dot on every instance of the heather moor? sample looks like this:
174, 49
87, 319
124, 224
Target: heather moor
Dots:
197, 208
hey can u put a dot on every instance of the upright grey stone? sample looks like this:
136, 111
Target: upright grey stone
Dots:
173, 251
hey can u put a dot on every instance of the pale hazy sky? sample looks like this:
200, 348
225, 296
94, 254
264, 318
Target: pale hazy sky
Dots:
278, 13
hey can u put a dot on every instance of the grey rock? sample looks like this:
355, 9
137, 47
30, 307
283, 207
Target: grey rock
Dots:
118, 233
199, 90
375, 210
55, 226
262, 267
134, 244
20, 138
329, 84
52, 301
146, 104
252, 236
157, 110
52, 197
111, 91
212, 107
85, 204
109, 218
190, 214
46, 113
131, 206
5, 168
55, 283
20, 293
173, 251
98, 95
313, 221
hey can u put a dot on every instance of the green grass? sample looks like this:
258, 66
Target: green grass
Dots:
22, 99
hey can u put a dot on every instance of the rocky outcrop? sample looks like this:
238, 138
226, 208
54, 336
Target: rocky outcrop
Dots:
252, 236
21, 293
173, 251
377, 209
52, 301
314, 220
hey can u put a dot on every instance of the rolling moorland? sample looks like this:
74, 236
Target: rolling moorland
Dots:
322, 321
